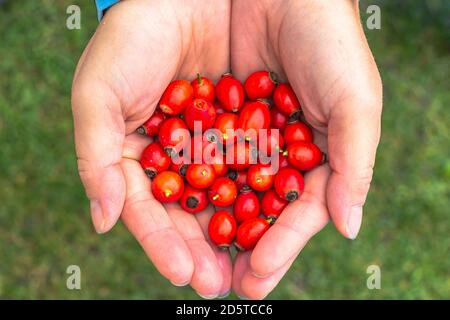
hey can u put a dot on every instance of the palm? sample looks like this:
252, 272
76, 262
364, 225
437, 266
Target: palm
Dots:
136, 74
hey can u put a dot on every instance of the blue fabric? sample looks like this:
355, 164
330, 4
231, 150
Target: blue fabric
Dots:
102, 5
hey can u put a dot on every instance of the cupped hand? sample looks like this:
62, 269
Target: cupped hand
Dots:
139, 47
320, 48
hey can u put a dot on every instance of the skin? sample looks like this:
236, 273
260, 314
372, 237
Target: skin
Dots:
319, 48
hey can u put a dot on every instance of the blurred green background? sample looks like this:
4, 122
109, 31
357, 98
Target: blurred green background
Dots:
44, 220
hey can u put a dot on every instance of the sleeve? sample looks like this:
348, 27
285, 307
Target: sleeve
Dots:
103, 5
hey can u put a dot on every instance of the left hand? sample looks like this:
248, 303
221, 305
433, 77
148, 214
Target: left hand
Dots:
320, 48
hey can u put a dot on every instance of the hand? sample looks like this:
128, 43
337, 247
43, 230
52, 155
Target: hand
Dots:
320, 48
139, 47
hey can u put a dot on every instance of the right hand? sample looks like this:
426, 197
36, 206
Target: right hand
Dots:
138, 48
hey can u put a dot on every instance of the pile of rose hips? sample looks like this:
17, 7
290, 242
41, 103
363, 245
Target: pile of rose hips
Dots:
255, 121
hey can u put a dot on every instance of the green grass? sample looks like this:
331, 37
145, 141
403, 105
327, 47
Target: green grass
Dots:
44, 220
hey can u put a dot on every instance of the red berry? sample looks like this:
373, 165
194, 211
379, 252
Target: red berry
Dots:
203, 88
173, 135
218, 163
260, 177
271, 204
154, 160
219, 108
254, 115
230, 93
249, 233
243, 156
176, 97
223, 192
288, 184
222, 229
167, 186
193, 200
240, 179
200, 176
260, 84
200, 111
297, 131
304, 155
152, 125
227, 124
277, 119
286, 101
246, 206
180, 165
270, 143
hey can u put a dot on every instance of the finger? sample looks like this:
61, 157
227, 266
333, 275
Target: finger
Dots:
207, 276
342, 95
241, 266
223, 256
252, 287
99, 135
150, 224
299, 222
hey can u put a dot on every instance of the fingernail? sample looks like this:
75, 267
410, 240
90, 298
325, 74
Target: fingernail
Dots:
180, 284
208, 297
97, 217
223, 296
354, 222
260, 276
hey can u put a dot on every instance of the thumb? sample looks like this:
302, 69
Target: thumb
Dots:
99, 135
353, 136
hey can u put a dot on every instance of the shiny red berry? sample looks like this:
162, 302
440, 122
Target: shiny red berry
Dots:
246, 206
240, 179
270, 142
230, 93
174, 135
260, 177
180, 164
167, 186
286, 101
304, 156
249, 233
152, 125
260, 84
202, 112
176, 97
203, 88
227, 124
278, 120
193, 200
200, 176
254, 116
243, 156
219, 108
297, 131
289, 184
223, 192
154, 160
271, 204
222, 229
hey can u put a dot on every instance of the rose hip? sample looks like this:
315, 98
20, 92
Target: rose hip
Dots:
230, 93
154, 160
200, 111
286, 101
246, 206
254, 115
167, 186
176, 97
260, 84
260, 177
193, 200
200, 176
173, 135
223, 192
203, 88
271, 204
288, 184
270, 143
152, 125
180, 165
227, 124
278, 120
249, 233
240, 179
243, 156
222, 229
297, 131
304, 156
